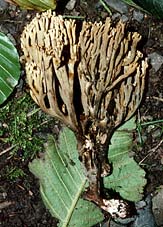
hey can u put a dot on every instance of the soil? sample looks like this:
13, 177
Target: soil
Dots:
20, 202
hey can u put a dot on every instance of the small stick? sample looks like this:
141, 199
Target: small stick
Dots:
154, 149
33, 112
157, 98
8, 149
5, 204
73, 17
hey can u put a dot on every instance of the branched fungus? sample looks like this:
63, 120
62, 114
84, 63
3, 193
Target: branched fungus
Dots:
91, 77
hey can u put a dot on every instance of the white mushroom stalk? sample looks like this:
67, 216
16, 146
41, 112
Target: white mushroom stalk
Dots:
91, 77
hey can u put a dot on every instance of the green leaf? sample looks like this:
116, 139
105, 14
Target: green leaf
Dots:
9, 67
62, 181
127, 177
155, 7
40, 5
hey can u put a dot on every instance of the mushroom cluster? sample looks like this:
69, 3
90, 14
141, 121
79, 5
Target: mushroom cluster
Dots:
88, 75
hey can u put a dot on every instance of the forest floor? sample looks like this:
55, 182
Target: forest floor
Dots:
23, 133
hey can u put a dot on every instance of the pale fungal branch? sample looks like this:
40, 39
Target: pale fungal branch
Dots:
46, 39
90, 76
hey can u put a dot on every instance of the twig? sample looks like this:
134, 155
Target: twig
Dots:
157, 98
33, 112
150, 152
10, 21
74, 17
8, 149
5, 204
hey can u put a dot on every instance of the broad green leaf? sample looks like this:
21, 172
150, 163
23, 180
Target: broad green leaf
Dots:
62, 181
39, 5
9, 67
155, 7
127, 177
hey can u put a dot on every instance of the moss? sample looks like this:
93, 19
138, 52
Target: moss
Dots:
21, 124
13, 173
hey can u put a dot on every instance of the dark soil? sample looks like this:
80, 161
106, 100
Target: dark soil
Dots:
20, 202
